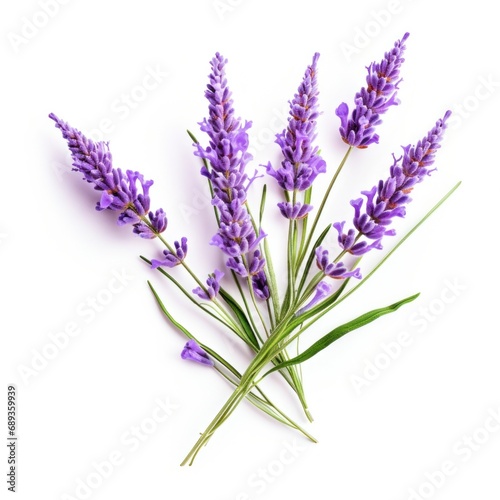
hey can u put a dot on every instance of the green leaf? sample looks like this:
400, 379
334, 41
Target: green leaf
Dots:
262, 203
242, 319
185, 331
340, 331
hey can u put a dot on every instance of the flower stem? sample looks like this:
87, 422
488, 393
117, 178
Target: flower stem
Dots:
322, 206
270, 349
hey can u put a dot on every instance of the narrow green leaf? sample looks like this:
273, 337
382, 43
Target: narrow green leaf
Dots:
193, 138
262, 203
242, 319
184, 330
340, 331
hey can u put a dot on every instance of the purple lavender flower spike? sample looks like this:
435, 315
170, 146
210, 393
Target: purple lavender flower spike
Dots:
193, 352
119, 191
373, 100
172, 259
335, 270
301, 162
323, 289
227, 150
388, 199
213, 286
228, 156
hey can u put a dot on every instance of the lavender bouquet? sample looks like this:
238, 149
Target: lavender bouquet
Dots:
267, 320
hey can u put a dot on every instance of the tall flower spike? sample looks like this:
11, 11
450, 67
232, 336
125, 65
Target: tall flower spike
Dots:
227, 150
119, 190
228, 156
388, 199
301, 162
373, 100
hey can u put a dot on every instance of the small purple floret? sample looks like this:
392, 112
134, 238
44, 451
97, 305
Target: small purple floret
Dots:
193, 352
260, 285
172, 259
294, 212
335, 270
213, 286
323, 289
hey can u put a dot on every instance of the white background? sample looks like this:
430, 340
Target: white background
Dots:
81, 407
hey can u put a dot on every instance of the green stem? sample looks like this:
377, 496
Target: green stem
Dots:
322, 206
262, 402
262, 358
228, 322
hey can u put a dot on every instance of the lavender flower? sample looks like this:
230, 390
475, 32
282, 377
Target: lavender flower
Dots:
260, 285
193, 352
227, 150
335, 270
119, 190
349, 241
213, 286
373, 100
172, 259
301, 162
322, 291
297, 211
388, 199
228, 156
236, 235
